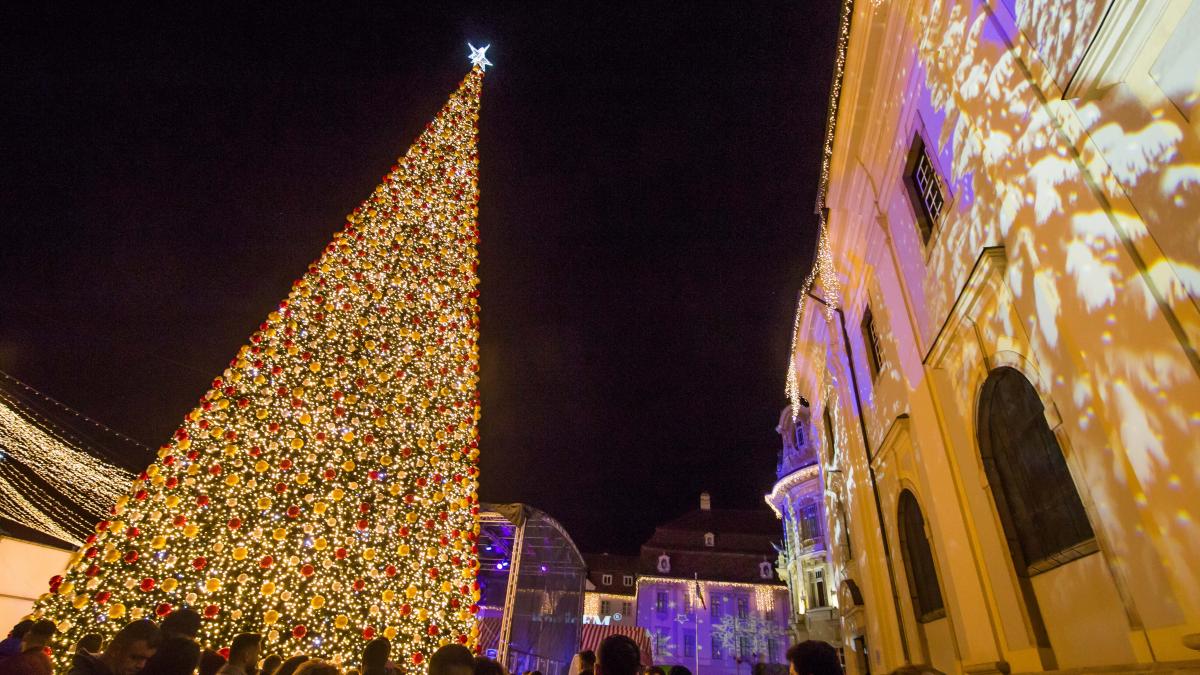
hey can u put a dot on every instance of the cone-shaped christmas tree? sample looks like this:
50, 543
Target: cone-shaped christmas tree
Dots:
323, 491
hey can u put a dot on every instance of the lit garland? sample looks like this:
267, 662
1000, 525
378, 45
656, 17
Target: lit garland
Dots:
47, 518
93, 483
324, 490
823, 269
66, 409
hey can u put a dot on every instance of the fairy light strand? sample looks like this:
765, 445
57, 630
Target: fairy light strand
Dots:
67, 409
823, 269
93, 483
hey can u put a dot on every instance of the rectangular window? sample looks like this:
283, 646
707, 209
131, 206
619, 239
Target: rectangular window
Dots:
871, 340
604, 607
627, 580
625, 609
743, 606
606, 579
816, 588
744, 647
714, 605
810, 527
717, 654
661, 599
662, 643
772, 650
827, 419
926, 189
689, 644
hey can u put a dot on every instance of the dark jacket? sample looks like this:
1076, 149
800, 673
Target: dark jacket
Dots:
10, 646
86, 663
177, 655
32, 661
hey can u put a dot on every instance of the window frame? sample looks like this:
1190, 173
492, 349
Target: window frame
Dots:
920, 566
627, 580
1012, 495
928, 223
606, 579
874, 347
827, 422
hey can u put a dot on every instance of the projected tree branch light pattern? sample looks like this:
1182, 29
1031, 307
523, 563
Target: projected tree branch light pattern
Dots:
323, 491
1069, 248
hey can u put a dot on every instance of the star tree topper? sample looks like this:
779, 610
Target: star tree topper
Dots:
479, 57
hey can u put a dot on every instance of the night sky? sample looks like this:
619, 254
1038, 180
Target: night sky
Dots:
647, 178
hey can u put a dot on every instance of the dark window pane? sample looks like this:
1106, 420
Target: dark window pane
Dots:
1041, 511
918, 560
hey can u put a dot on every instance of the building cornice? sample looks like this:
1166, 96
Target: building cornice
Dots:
797, 477
775, 586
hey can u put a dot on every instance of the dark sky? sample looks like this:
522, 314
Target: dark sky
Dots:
647, 180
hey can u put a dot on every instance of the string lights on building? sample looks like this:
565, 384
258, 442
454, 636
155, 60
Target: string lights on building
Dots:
823, 269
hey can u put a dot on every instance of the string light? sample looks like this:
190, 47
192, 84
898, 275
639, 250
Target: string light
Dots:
323, 491
93, 483
15, 506
823, 269
67, 409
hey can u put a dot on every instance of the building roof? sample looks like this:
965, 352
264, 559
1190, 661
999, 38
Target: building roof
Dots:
15, 530
619, 566
734, 530
742, 539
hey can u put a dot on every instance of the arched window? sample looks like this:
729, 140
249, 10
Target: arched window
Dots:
1040, 509
918, 561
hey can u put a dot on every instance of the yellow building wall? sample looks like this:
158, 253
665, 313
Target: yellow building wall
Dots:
25, 570
1071, 252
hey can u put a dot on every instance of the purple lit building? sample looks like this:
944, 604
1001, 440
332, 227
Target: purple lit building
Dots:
708, 594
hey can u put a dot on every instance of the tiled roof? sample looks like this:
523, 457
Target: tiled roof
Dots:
742, 540
618, 566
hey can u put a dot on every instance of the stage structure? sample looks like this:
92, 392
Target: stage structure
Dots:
532, 579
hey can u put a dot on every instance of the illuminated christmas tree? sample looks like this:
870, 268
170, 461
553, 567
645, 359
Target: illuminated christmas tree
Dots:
323, 492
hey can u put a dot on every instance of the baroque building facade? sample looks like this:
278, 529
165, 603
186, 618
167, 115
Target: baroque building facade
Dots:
707, 593
999, 341
804, 563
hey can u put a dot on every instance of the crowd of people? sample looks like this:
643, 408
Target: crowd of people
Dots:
143, 647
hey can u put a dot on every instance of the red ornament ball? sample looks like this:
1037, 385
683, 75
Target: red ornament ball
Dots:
162, 609
211, 611
147, 585
299, 631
